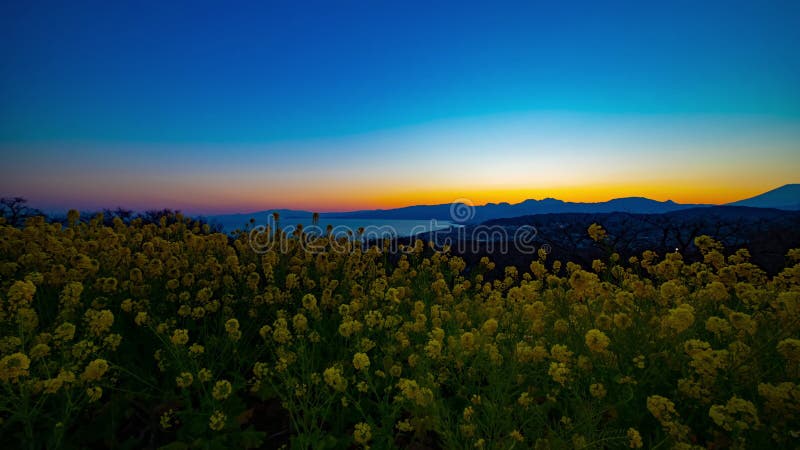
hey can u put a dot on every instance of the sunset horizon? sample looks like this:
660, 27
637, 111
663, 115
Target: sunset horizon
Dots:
383, 225
383, 107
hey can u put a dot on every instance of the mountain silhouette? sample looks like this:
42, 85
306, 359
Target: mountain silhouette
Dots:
785, 197
477, 214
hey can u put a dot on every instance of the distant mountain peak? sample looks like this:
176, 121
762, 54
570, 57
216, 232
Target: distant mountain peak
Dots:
784, 197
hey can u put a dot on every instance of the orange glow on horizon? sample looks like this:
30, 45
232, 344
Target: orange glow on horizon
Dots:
387, 199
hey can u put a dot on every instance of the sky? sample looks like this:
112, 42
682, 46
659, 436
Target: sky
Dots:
215, 107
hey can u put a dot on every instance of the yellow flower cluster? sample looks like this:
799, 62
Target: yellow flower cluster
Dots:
14, 366
361, 361
362, 434
389, 349
597, 341
334, 379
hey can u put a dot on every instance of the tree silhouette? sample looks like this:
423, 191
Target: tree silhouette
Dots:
15, 210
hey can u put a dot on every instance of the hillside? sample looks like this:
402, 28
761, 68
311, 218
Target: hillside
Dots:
785, 197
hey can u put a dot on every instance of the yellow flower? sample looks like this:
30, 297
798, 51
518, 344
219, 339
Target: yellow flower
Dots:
300, 323
309, 302
680, 319
20, 294
232, 328
99, 321
597, 390
634, 438
166, 419
405, 426
333, 378
468, 413
361, 361
196, 349
516, 435
664, 411
525, 400
489, 327
217, 420
597, 341
180, 337
222, 390
411, 391
204, 375
40, 351
281, 333
95, 370
560, 353
362, 433
141, 318
14, 366
64, 332
433, 349
94, 393
737, 415
184, 380
790, 349
596, 232
467, 341
559, 372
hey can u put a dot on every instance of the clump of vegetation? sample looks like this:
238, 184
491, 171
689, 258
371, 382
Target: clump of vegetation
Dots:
132, 334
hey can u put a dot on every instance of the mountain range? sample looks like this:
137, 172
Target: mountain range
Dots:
786, 197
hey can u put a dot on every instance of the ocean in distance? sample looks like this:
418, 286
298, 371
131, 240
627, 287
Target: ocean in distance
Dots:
373, 228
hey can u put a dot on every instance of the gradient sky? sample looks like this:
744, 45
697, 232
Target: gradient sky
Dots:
210, 107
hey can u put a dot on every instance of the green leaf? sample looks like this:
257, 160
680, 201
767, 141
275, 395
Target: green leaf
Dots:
177, 445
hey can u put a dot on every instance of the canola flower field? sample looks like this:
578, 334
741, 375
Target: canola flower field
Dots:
169, 336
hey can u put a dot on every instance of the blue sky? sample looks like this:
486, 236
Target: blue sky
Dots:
196, 94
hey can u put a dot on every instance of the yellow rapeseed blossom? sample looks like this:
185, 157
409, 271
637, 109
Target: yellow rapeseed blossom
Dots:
361, 361
95, 370
489, 327
333, 378
232, 328
184, 380
141, 318
217, 420
661, 408
559, 372
65, 332
222, 390
597, 390
362, 433
99, 321
166, 419
736, 415
180, 337
597, 341
196, 349
790, 350
204, 375
14, 366
596, 232
681, 318
634, 438
425, 331
94, 393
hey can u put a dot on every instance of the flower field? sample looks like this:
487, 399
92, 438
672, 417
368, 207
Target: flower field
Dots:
169, 336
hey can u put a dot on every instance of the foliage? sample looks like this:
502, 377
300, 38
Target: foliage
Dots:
162, 334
